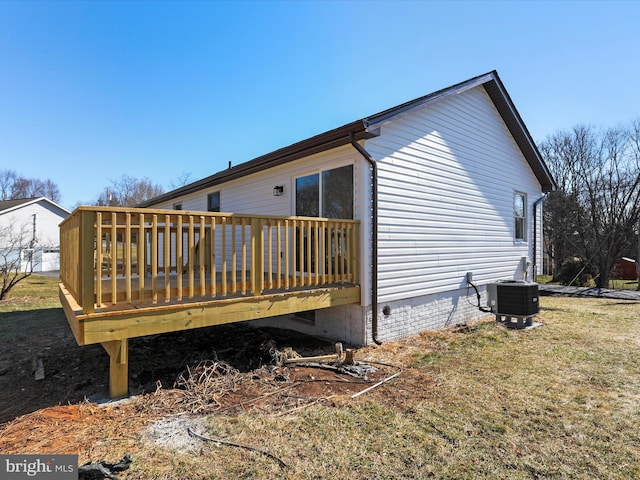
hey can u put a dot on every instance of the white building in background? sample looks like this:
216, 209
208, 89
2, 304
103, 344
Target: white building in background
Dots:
29, 233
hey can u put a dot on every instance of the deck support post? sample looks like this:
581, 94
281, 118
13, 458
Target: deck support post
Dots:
118, 351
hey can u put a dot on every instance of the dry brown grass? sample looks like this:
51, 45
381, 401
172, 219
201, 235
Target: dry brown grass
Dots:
560, 401
33, 293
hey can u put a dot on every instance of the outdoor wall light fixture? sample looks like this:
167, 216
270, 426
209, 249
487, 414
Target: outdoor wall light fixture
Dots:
278, 190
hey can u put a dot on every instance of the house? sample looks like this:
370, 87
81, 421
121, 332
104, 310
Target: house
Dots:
29, 233
625, 269
455, 178
369, 232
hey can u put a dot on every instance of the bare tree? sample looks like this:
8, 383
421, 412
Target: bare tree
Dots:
182, 179
127, 191
33, 187
13, 186
17, 260
7, 179
594, 213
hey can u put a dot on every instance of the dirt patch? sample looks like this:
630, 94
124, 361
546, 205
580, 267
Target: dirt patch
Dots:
74, 374
67, 429
161, 413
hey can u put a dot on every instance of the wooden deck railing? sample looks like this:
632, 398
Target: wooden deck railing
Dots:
122, 256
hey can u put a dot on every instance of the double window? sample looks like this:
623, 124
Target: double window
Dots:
329, 194
520, 216
326, 194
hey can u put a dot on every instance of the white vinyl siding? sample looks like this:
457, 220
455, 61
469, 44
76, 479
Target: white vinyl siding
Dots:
254, 193
447, 174
446, 181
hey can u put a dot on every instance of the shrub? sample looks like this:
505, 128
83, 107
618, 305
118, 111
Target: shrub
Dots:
573, 272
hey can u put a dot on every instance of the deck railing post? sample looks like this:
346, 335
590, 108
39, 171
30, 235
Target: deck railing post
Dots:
257, 256
87, 260
355, 242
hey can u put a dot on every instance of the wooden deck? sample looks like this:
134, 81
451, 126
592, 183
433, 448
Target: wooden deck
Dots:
127, 273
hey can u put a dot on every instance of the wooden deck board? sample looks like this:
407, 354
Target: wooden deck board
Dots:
122, 321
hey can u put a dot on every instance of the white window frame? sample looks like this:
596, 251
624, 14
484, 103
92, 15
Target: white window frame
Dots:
319, 172
522, 218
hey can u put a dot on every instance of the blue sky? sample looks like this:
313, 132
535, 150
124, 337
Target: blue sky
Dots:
90, 91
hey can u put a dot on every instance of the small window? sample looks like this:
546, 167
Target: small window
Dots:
213, 202
308, 195
177, 206
520, 216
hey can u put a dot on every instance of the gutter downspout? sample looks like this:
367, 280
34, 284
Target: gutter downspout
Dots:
374, 236
535, 237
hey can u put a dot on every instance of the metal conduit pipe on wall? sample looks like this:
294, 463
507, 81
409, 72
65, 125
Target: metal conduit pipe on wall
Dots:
374, 236
535, 237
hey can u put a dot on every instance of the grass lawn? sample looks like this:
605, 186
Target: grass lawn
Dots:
559, 401
614, 283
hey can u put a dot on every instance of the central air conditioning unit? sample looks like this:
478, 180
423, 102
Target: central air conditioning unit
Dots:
514, 302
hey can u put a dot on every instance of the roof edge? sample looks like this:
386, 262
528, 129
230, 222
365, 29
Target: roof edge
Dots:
368, 127
324, 141
387, 115
519, 131
494, 87
29, 201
